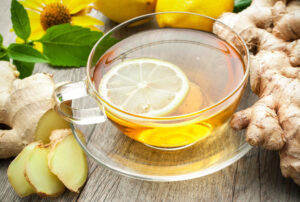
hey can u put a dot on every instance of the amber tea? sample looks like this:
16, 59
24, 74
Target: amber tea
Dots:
170, 74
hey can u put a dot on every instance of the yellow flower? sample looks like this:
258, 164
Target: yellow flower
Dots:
46, 13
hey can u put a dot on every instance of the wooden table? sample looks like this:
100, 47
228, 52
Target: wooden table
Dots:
256, 177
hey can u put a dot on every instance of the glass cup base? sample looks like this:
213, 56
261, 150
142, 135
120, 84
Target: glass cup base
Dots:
170, 148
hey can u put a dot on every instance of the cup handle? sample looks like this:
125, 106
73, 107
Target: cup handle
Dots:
65, 93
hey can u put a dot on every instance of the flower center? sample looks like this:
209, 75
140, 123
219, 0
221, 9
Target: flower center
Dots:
54, 14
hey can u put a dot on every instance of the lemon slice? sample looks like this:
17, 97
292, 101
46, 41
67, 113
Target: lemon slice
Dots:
145, 86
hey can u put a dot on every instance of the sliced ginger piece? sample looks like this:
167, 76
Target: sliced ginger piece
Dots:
16, 169
38, 174
67, 160
49, 122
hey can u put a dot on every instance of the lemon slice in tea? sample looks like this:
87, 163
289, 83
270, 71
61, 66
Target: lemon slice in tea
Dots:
145, 86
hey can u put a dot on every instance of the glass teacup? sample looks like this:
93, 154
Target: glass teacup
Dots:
217, 70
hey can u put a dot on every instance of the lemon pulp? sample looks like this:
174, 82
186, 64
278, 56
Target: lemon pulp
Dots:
145, 86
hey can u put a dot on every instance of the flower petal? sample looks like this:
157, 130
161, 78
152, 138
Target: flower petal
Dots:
19, 40
38, 46
36, 34
33, 15
50, 1
36, 3
31, 4
85, 21
75, 6
93, 28
84, 11
37, 30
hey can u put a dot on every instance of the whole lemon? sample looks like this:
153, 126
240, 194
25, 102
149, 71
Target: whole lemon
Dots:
122, 10
211, 8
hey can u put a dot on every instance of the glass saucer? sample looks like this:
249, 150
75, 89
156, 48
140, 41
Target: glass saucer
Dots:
114, 150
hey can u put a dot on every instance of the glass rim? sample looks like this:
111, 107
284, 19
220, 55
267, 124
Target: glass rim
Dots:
95, 92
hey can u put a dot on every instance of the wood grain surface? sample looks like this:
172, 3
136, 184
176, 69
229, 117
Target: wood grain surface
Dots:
255, 177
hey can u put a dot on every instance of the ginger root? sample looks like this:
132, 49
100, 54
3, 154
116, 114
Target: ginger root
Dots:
271, 30
47, 169
49, 122
67, 160
38, 174
15, 172
26, 109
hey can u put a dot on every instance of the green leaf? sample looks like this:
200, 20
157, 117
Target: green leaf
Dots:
240, 5
20, 20
67, 45
25, 68
3, 54
25, 53
1, 40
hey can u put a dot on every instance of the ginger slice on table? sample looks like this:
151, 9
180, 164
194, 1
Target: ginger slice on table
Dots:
67, 160
271, 30
16, 169
47, 169
38, 174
